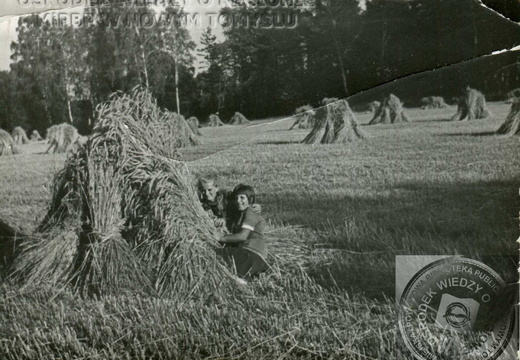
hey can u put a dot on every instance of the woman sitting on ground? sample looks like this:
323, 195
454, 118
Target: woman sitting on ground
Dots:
245, 248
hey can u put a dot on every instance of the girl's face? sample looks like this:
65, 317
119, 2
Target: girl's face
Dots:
242, 202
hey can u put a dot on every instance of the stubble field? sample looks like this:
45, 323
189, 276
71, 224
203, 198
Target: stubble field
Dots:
427, 187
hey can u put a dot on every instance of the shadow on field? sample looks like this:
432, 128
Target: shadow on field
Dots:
405, 203
359, 236
482, 133
277, 130
432, 120
281, 142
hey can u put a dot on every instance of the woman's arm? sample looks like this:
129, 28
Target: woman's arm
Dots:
235, 238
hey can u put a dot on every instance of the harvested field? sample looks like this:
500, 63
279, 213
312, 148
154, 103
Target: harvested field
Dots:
342, 212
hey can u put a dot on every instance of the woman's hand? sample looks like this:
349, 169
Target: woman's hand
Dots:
217, 234
256, 208
219, 223
236, 238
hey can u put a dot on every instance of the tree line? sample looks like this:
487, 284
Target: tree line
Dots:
60, 73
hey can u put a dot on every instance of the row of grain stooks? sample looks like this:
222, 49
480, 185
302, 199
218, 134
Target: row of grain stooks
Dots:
335, 122
61, 137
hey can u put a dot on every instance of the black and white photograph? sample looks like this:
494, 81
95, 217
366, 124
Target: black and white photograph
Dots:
259, 179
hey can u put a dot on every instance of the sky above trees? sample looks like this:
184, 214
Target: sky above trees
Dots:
11, 10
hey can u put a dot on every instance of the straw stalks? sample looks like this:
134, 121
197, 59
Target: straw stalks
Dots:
35, 136
373, 106
61, 138
7, 146
327, 100
511, 125
194, 124
390, 111
433, 102
304, 117
20, 136
334, 123
239, 119
124, 216
214, 120
472, 105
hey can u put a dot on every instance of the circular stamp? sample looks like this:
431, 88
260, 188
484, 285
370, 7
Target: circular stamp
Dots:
457, 308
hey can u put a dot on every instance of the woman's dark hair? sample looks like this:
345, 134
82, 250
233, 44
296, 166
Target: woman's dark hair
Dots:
247, 190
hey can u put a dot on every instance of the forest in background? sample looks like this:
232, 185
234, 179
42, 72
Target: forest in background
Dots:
60, 73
